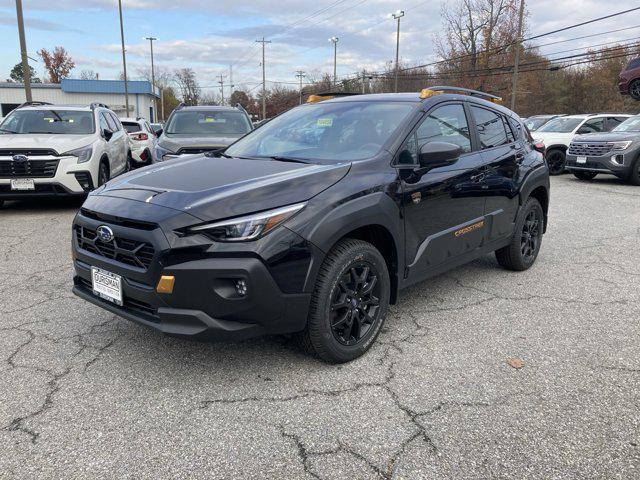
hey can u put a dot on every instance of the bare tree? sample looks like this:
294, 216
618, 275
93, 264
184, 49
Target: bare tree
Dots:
188, 85
88, 75
58, 63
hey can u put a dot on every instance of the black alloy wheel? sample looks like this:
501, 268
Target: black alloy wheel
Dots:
531, 236
556, 160
634, 175
634, 90
349, 303
355, 303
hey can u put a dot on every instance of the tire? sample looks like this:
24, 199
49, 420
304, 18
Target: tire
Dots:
103, 174
1, 203
525, 244
634, 175
353, 283
634, 89
586, 176
556, 159
129, 165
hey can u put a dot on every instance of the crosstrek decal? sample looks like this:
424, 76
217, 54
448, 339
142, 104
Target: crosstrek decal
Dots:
470, 228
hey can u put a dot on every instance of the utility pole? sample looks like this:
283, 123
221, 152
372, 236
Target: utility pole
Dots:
26, 77
221, 82
124, 60
397, 15
264, 80
153, 75
516, 63
231, 85
300, 75
335, 41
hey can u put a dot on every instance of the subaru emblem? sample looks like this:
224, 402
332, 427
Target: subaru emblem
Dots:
104, 233
20, 158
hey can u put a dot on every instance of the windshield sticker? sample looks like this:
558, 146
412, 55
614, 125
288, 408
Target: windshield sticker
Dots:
209, 119
325, 122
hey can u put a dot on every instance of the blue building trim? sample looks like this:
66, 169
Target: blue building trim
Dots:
74, 85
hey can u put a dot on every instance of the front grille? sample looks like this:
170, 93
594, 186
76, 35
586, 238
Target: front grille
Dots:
29, 152
28, 168
585, 149
133, 253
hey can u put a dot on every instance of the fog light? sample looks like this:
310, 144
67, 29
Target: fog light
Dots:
618, 159
241, 288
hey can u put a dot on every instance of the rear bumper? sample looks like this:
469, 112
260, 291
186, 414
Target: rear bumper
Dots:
620, 167
623, 87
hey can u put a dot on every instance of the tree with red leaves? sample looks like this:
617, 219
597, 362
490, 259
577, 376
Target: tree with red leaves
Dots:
58, 63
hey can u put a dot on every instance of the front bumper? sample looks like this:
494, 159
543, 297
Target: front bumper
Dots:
65, 182
623, 87
205, 302
604, 164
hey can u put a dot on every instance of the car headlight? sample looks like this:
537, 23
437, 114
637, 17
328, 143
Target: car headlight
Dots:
84, 153
160, 153
619, 146
247, 228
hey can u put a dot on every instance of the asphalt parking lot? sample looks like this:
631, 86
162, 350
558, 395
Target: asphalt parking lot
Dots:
85, 394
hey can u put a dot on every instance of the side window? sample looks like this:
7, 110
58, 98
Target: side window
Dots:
112, 125
507, 128
491, 128
443, 124
116, 121
592, 126
104, 124
612, 122
516, 127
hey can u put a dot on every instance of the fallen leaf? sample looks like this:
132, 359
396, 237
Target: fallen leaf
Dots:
515, 363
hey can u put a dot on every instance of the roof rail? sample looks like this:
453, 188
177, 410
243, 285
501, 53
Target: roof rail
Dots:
33, 104
242, 109
436, 90
180, 106
95, 105
319, 97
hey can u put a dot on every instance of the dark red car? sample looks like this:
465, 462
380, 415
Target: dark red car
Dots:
629, 81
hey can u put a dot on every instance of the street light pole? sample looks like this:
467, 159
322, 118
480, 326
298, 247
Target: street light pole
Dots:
264, 80
397, 15
516, 64
26, 77
124, 60
335, 41
153, 73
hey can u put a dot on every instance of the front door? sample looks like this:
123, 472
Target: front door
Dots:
444, 208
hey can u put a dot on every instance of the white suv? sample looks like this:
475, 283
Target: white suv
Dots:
141, 138
558, 133
51, 150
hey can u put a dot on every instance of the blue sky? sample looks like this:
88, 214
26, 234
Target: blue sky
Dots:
208, 36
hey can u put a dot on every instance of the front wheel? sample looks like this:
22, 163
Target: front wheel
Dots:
525, 244
634, 175
349, 302
587, 176
634, 90
556, 159
103, 174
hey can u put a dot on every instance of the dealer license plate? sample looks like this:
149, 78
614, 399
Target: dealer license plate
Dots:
107, 285
581, 159
23, 184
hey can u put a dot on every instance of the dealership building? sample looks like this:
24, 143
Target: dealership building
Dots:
72, 91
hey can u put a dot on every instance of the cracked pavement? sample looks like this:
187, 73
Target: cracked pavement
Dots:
85, 394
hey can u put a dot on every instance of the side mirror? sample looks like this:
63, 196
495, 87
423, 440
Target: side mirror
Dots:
438, 154
583, 130
107, 134
158, 132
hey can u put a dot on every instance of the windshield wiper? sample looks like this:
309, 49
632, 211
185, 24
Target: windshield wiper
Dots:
279, 158
6, 130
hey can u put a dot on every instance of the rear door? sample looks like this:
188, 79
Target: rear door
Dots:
120, 141
442, 209
504, 151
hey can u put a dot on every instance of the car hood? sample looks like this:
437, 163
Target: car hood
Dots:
59, 143
213, 188
174, 143
550, 138
607, 137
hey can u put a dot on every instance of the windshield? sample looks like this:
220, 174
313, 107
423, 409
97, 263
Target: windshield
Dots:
208, 123
131, 127
535, 123
562, 124
328, 132
63, 122
629, 125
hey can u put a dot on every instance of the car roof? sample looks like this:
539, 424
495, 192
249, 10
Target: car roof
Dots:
210, 108
80, 108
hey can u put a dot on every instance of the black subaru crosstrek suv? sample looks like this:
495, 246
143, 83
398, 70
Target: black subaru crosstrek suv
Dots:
312, 223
